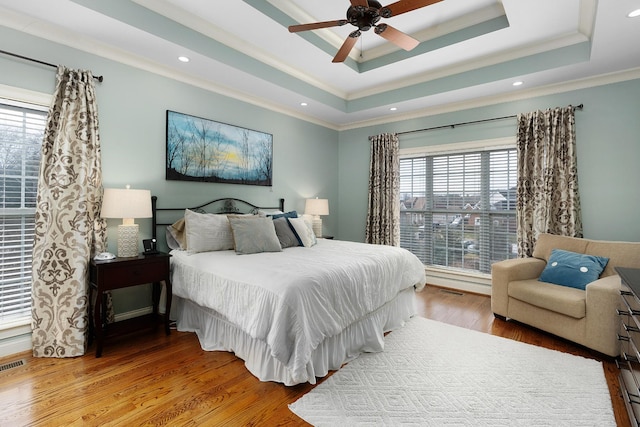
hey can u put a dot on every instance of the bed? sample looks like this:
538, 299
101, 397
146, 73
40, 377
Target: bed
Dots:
293, 309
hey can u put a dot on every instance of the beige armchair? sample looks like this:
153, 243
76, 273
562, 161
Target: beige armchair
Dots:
586, 317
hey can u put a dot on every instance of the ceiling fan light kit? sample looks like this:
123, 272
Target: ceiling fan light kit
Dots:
365, 14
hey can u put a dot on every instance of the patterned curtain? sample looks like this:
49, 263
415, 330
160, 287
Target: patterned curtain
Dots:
68, 227
383, 216
547, 191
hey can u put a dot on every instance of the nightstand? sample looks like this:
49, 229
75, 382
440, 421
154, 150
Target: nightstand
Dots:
121, 273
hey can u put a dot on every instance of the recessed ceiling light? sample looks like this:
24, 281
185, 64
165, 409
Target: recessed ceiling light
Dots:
183, 59
393, 108
518, 83
634, 13
304, 104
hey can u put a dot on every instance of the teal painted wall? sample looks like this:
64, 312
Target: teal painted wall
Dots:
608, 149
311, 160
131, 107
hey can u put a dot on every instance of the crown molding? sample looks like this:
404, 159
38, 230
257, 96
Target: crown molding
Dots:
563, 87
62, 36
207, 29
473, 64
440, 29
299, 15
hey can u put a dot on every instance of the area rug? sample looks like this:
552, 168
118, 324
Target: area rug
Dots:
434, 374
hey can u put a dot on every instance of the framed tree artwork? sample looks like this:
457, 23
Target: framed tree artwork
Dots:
208, 151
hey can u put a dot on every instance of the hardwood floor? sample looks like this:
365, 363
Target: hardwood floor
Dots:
155, 380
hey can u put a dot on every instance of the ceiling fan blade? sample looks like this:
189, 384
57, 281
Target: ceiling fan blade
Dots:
364, 3
404, 6
317, 25
346, 47
396, 37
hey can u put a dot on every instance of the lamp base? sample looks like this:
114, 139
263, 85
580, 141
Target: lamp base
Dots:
316, 225
127, 240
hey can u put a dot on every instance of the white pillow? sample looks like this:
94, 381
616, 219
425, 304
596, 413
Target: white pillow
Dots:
207, 232
269, 212
304, 231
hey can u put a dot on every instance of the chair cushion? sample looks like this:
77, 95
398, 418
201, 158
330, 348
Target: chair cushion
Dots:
561, 299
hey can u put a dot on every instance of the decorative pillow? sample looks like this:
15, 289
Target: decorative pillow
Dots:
254, 234
176, 235
290, 214
207, 232
572, 269
269, 212
286, 235
304, 231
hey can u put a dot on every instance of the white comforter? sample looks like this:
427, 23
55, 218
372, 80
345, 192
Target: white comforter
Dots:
294, 299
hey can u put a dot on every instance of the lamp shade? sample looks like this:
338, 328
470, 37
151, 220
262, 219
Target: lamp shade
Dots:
126, 203
316, 207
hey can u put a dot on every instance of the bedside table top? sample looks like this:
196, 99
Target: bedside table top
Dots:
139, 258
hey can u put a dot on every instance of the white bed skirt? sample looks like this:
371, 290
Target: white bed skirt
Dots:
366, 335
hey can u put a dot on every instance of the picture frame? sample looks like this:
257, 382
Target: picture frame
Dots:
206, 150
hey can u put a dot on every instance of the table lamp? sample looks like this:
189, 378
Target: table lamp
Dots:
128, 204
317, 207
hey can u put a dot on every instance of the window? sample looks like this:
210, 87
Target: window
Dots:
21, 133
457, 209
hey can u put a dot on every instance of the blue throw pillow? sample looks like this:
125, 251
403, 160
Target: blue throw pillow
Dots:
572, 269
290, 214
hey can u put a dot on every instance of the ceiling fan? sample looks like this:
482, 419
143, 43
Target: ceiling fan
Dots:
365, 15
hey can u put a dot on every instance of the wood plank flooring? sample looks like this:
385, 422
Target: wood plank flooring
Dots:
149, 379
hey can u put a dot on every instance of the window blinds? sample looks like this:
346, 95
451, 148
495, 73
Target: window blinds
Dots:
458, 209
21, 134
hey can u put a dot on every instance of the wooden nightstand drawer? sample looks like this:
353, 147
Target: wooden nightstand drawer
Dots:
118, 276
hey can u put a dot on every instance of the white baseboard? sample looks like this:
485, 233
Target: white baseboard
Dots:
477, 284
17, 344
463, 287
20, 340
133, 313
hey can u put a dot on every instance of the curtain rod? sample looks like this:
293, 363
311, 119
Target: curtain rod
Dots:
577, 107
98, 78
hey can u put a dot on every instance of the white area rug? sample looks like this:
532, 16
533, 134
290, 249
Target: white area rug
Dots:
434, 374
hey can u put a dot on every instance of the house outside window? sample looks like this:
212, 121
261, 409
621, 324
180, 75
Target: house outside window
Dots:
457, 207
21, 134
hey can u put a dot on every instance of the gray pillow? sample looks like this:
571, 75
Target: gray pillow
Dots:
286, 235
207, 232
254, 234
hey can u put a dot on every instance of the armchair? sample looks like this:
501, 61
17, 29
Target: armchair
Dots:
587, 317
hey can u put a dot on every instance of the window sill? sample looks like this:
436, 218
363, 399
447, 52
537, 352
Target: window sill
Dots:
15, 328
478, 283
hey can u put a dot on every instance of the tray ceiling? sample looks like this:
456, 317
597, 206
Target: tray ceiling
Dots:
470, 51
